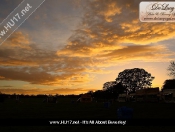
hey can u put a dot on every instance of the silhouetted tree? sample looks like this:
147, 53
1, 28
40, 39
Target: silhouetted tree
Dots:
99, 94
171, 69
113, 86
90, 92
108, 85
118, 88
113, 89
169, 84
134, 79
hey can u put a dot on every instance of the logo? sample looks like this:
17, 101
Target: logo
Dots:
157, 11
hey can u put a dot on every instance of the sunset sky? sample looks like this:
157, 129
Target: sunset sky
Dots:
73, 46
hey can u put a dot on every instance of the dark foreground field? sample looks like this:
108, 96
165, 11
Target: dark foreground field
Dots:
65, 109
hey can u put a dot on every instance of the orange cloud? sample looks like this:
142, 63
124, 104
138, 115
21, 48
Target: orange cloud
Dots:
1, 77
35, 76
132, 51
17, 39
107, 10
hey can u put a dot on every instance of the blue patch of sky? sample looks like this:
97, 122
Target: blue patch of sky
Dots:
54, 13
170, 44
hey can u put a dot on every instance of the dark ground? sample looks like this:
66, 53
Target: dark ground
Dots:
34, 109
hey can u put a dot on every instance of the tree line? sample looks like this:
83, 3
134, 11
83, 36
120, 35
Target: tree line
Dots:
131, 80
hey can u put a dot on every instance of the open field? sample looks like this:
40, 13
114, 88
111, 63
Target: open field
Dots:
34, 108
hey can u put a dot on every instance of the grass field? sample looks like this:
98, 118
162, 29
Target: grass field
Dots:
34, 108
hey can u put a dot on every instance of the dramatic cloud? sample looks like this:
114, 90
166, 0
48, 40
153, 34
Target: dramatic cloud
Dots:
109, 33
138, 52
104, 29
38, 66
